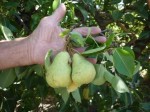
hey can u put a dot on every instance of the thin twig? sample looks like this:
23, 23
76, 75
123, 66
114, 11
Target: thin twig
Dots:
68, 45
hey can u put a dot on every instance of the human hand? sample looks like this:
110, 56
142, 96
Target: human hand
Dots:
46, 36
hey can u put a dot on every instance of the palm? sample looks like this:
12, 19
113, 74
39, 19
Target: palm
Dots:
46, 36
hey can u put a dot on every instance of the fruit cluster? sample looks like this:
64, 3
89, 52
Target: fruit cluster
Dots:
64, 72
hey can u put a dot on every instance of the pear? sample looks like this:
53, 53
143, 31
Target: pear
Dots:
72, 87
83, 72
58, 73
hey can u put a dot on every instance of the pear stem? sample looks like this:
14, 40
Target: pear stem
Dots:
68, 45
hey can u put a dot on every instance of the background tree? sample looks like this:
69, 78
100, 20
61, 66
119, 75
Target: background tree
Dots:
125, 23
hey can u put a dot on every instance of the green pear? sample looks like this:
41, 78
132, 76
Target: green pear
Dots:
58, 73
83, 72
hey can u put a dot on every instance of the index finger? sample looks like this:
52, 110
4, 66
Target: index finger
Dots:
85, 30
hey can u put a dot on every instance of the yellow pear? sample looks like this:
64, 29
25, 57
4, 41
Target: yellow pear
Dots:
83, 72
86, 93
72, 87
58, 73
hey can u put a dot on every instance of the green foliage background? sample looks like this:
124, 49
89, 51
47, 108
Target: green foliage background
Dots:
126, 24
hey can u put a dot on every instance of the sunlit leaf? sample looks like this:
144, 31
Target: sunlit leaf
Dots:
124, 61
47, 59
128, 49
119, 85
109, 57
6, 32
92, 51
64, 33
77, 39
56, 3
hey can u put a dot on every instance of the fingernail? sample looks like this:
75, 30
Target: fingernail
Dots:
92, 60
80, 49
101, 39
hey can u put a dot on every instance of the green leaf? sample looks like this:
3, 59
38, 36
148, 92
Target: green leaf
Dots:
77, 39
21, 72
76, 95
93, 89
145, 106
126, 98
124, 61
11, 4
64, 93
90, 40
84, 12
7, 77
110, 39
64, 33
6, 32
26, 73
99, 78
116, 14
129, 17
47, 59
145, 34
56, 3
127, 1
42, 89
108, 76
114, 95
92, 51
115, 1
130, 51
109, 57
64, 106
142, 11
119, 85
38, 69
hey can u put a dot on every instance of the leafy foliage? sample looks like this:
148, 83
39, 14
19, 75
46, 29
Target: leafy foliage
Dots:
125, 23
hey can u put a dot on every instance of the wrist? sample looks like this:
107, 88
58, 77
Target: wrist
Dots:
30, 50
27, 49
35, 51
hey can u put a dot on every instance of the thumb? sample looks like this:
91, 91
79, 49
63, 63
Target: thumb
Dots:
59, 13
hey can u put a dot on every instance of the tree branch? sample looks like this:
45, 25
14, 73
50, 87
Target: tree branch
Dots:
133, 38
